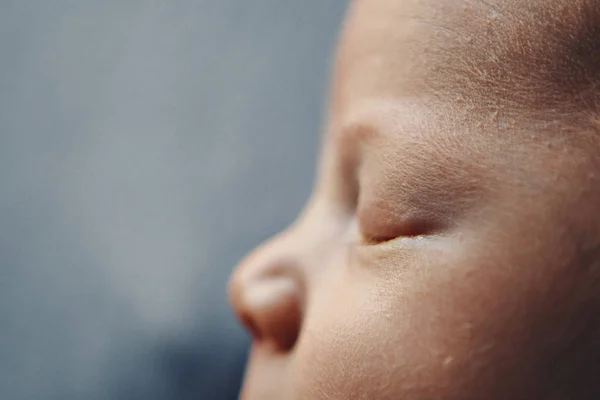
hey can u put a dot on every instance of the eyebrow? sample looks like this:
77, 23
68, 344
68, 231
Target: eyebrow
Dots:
428, 152
365, 120
410, 122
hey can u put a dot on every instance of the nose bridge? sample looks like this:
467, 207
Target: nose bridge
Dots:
293, 253
274, 258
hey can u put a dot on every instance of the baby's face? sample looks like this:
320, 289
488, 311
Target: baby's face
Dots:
450, 249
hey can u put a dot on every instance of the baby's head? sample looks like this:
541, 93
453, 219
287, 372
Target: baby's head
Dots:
451, 247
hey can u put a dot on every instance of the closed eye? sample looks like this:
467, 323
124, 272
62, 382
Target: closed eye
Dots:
378, 225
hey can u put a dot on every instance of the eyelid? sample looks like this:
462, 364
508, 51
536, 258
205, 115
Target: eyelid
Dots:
377, 225
347, 160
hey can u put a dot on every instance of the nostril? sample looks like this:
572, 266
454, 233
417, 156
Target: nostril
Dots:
250, 326
271, 310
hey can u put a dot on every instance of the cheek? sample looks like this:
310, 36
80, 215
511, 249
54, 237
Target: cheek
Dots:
364, 340
343, 351
453, 330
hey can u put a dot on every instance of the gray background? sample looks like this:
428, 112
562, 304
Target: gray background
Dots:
145, 146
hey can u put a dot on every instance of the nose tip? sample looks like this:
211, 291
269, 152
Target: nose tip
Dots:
270, 308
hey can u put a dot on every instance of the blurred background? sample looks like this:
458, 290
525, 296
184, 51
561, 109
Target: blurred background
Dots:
145, 147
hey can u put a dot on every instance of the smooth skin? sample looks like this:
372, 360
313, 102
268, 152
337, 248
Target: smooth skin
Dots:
451, 246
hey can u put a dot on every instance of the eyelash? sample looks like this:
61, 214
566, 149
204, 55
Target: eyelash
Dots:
371, 240
400, 226
360, 238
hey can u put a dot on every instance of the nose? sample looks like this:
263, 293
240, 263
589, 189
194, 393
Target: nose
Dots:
266, 293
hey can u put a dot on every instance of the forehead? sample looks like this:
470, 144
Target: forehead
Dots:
417, 73
393, 59
376, 55
529, 55
462, 63
382, 87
